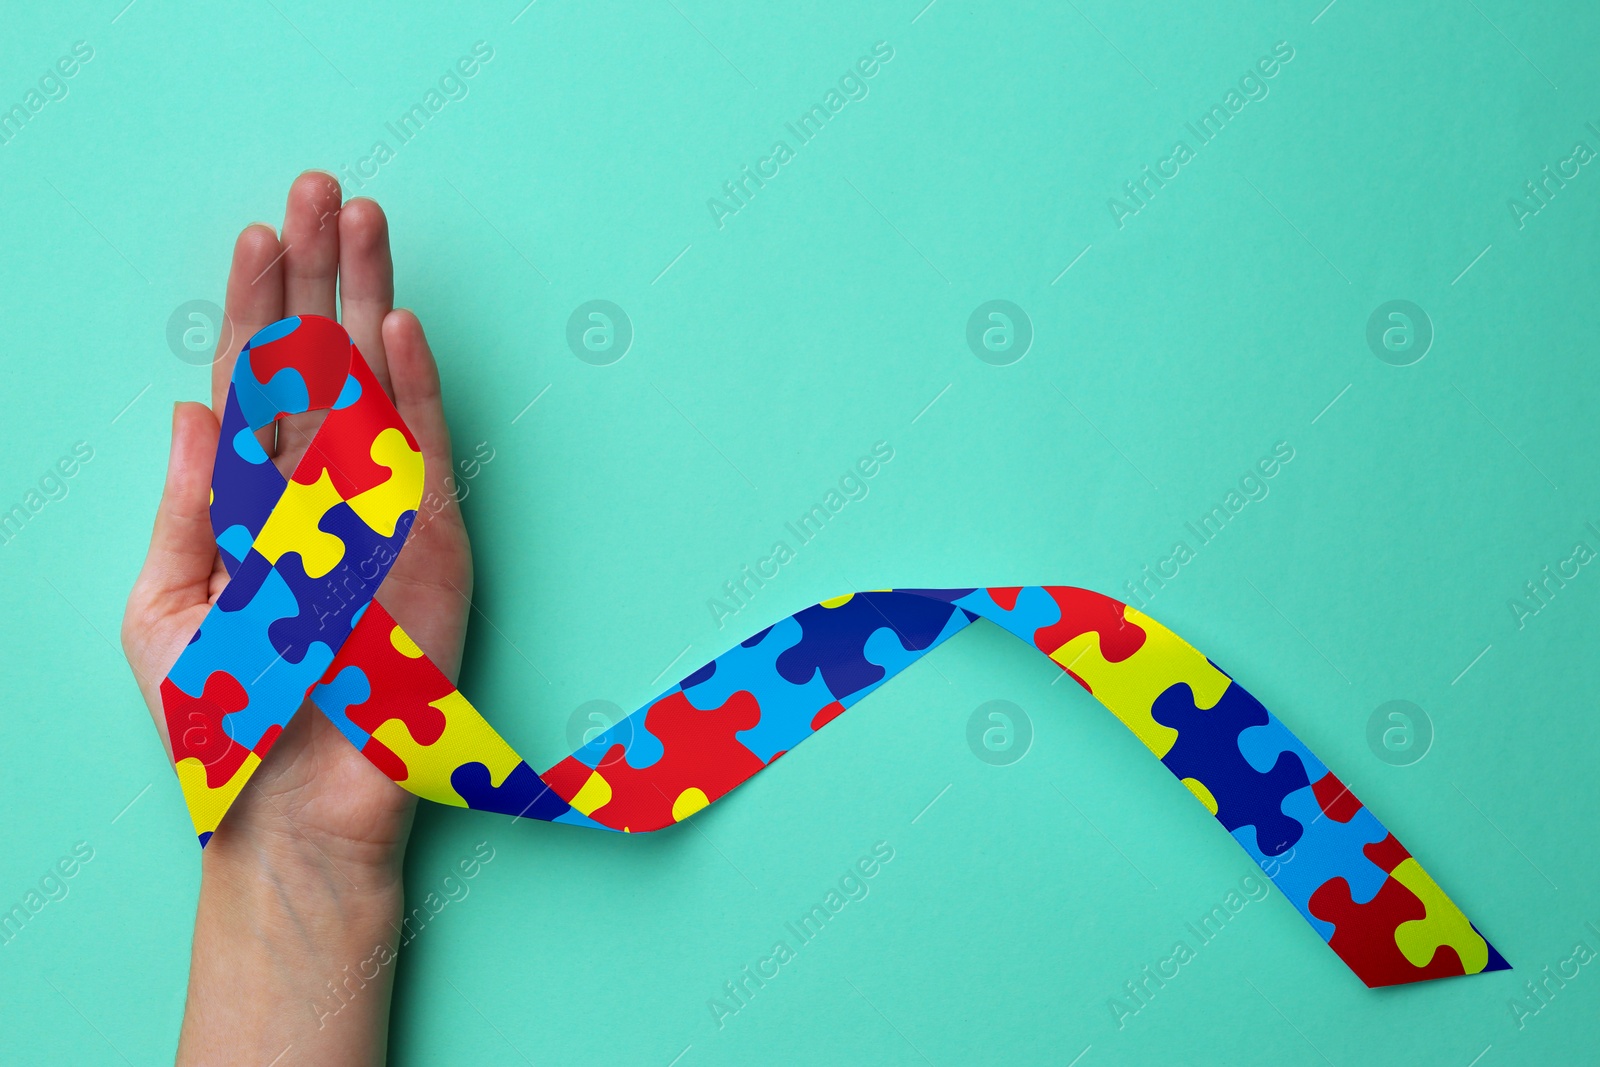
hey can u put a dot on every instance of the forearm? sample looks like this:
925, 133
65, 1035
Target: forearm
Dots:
291, 952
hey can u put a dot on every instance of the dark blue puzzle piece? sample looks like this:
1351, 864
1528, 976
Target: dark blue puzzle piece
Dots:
834, 639
1207, 750
248, 490
328, 605
523, 793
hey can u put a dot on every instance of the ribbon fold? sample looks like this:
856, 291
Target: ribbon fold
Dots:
306, 556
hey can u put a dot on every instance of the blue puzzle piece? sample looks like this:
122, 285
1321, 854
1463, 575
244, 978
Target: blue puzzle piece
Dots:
366, 552
949, 596
246, 492
883, 647
1261, 746
786, 708
700, 674
262, 402
1034, 610
320, 610
349, 686
1207, 750
235, 543
1497, 962
1326, 849
329, 604
233, 637
522, 794
349, 393
834, 639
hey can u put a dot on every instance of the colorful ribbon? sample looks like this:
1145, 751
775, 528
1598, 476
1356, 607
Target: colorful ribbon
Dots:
298, 618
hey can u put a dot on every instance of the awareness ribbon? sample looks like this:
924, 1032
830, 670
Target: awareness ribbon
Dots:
298, 619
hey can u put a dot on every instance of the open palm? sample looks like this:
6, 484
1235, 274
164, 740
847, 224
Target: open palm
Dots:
314, 790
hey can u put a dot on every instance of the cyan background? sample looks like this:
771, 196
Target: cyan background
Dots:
825, 316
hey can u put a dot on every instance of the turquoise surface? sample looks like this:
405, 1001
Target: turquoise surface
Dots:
774, 342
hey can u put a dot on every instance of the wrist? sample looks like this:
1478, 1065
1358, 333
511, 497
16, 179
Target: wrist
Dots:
289, 926
244, 856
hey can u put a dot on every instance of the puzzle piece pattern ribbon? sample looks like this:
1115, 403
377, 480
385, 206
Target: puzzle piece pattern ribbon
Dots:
298, 618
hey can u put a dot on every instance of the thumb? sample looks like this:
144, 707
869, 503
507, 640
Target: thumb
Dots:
183, 552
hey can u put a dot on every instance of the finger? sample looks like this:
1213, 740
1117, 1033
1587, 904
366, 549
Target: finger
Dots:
310, 282
436, 553
366, 281
311, 245
177, 569
255, 299
418, 397
173, 589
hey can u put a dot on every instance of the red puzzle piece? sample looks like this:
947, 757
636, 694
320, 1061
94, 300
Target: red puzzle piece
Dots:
1388, 853
699, 751
321, 353
315, 350
1363, 934
1083, 611
1337, 802
402, 687
194, 725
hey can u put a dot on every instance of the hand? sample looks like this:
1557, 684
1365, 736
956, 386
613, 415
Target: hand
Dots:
318, 822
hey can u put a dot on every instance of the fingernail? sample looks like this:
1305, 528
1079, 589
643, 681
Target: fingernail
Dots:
172, 446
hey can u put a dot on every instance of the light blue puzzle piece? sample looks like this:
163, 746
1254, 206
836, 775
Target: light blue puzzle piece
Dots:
233, 638
276, 694
349, 686
1327, 849
1034, 609
1261, 745
248, 448
786, 709
236, 541
574, 817
640, 747
270, 333
233, 635
261, 403
349, 394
